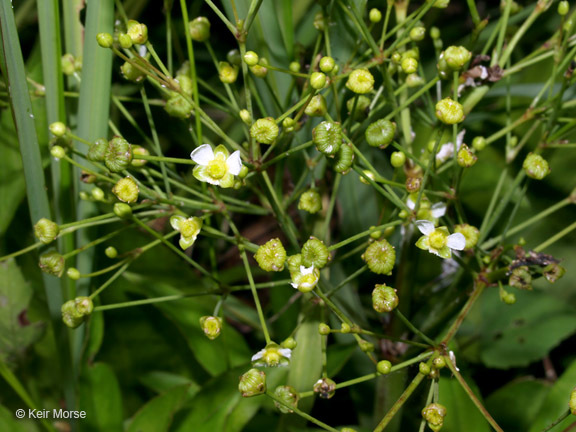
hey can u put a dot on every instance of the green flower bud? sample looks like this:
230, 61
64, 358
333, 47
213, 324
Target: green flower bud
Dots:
366, 346
211, 326
572, 402
75, 312
227, 73
563, 8
105, 40
97, 151
138, 32
536, 166
465, 157
375, 15
327, 137
246, 117
233, 57
414, 80
375, 234
345, 328
553, 271
264, 130
508, 297
479, 143
131, 72
310, 201
289, 396
343, 159
326, 64
294, 66
456, 57
380, 133
409, 65
368, 174
384, 298
259, 71
252, 383
251, 58
417, 33
315, 253
439, 363
424, 368
136, 151
324, 329
125, 41
384, 367
318, 80
52, 263
360, 81
111, 252
289, 124
360, 104
449, 111
380, 257
243, 172
73, 273
178, 107
319, 23
58, 152
294, 262
58, 129
444, 70
397, 159
316, 107
271, 256
289, 343
97, 194
435, 33
126, 190
118, 154
434, 415
521, 278
199, 29
325, 388
470, 233
122, 210
411, 53
46, 231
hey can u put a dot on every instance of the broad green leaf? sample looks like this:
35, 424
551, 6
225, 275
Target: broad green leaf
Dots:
16, 333
556, 402
220, 407
516, 405
519, 334
462, 414
101, 398
157, 415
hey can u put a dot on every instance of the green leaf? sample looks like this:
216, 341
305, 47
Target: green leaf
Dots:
556, 402
156, 415
100, 397
220, 407
462, 414
516, 335
16, 333
516, 405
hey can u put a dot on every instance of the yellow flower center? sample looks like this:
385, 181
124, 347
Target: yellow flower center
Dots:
217, 168
189, 228
437, 239
272, 357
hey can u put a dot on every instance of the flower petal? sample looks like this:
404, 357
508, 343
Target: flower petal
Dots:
175, 221
258, 355
285, 352
185, 243
445, 252
456, 241
438, 210
425, 227
203, 154
234, 163
422, 243
200, 173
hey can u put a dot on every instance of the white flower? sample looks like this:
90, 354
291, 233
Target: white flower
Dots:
306, 279
218, 166
189, 229
272, 356
447, 150
439, 241
431, 213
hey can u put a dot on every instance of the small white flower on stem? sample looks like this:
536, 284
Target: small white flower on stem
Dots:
438, 241
272, 356
218, 166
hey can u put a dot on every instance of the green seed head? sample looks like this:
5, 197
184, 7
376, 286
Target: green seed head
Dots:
271, 256
360, 81
126, 190
259, 71
97, 151
380, 133
118, 154
380, 257
317, 106
384, 298
536, 166
456, 57
310, 201
52, 263
131, 72
470, 233
319, 21
252, 383
227, 73
289, 396
424, 368
46, 231
211, 326
466, 158
553, 271
325, 388
435, 33
449, 111
289, 343
360, 105
434, 415
105, 40
199, 29
294, 66
414, 80
264, 130
178, 107
315, 253
439, 363
521, 278
343, 159
327, 137
136, 151
440, 4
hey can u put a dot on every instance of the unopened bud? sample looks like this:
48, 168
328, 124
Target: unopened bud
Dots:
105, 40
211, 326
122, 210
289, 396
199, 29
318, 80
465, 157
252, 383
449, 111
46, 230
456, 57
52, 263
317, 106
384, 367
536, 166
138, 32
227, 73
434, 415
